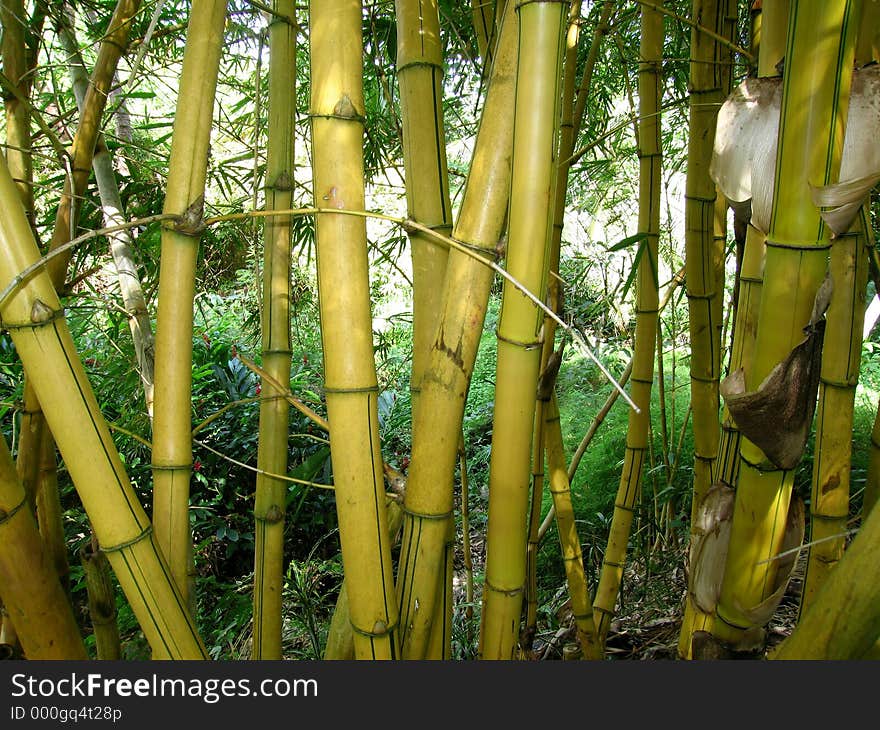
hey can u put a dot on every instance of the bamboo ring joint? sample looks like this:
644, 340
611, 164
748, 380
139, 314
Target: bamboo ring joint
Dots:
525, 345
380, 629
799, 245
510, 592
425, 515
128, 543
343, 391
6, 516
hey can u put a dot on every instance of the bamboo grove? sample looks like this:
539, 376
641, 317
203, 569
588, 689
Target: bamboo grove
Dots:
758, 118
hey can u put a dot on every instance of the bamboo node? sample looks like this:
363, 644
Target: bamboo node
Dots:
5, 516
846, 384
380, 629
525, 345
128, 543
41, 314
420, 64
510, 592
343, 391
425, 515
799, 245
192, 222
273, 515
283, 182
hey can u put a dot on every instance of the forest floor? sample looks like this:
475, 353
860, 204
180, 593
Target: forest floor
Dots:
648, 620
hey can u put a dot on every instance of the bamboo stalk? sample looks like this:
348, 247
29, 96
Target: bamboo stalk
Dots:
436, 431
483, 18
270, 501
560, 489
420, 77
340, 637
703, 290
184, 196
34, 319
29, 587
841, 358
121, 243
814, 109
82, 151
872, 483
650, 156
843, 621
49, 513
337, 109
541, 48
102, 603
868, 45
573, 104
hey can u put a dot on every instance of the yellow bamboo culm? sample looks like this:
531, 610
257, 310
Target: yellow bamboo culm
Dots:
541, 49
841, 358
32, 595
340, 637
271, 493
566, 136
49, 512
102, 603
811, 131
184, 196
560, 489
483, 15
420, 77
872, 483
35, 321
337, 115
82, 151
843, 621
868, 46
18, 117
647, 300
428, 501
703, 290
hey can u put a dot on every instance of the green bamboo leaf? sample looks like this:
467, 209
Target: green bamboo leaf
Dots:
627, 242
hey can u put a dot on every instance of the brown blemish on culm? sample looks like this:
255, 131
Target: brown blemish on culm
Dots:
454, 354
833, 482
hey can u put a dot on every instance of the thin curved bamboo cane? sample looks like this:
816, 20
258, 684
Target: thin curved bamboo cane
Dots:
102, 603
